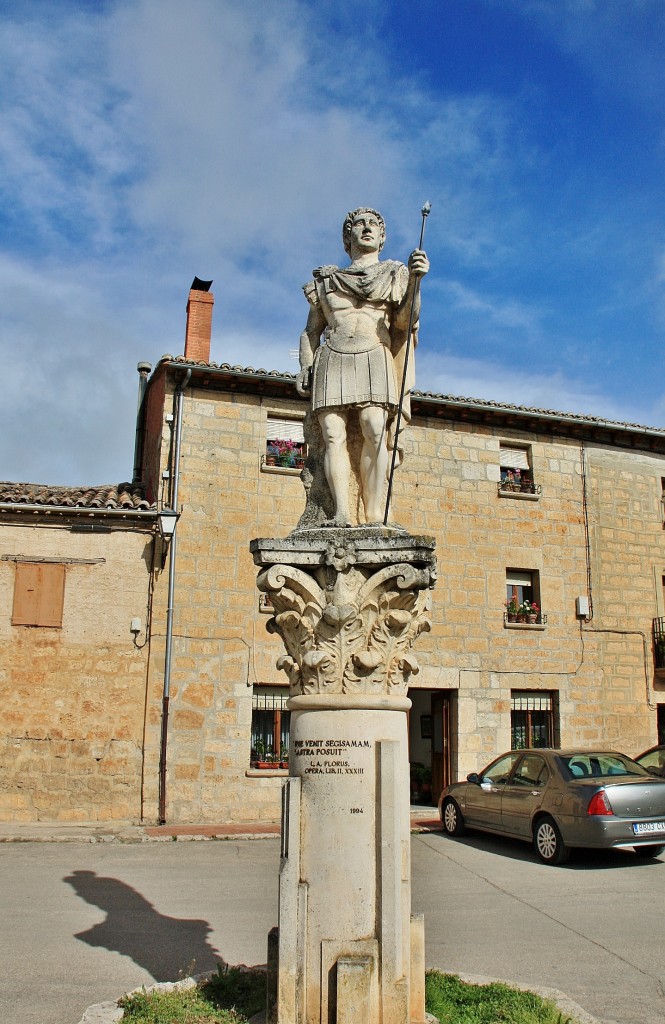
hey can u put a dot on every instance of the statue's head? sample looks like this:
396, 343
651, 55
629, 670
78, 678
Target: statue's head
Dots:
349, 221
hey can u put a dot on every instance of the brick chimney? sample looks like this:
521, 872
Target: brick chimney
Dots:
199, 321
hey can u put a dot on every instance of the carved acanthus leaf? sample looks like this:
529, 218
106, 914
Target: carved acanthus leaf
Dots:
353, 634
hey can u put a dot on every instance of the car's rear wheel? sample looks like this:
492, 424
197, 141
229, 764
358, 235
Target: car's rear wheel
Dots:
648, 851
451, 817
548, 843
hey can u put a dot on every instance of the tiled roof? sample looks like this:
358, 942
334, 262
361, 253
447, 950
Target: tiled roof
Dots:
249, 371
425, 396
488, 403
121, 497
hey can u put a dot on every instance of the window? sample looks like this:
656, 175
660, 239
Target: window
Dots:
523, 596
532, 719
659, 640
499, 772
516, 472
531, 771
270, 727
285, 443
39, 593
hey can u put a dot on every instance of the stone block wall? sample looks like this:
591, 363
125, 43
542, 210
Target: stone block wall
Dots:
447, 488
73, 698
221, 647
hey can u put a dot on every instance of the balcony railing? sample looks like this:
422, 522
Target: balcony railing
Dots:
518, 487
659, 641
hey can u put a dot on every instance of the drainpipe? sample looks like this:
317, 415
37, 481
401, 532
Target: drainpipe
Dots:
144, 371
180, 390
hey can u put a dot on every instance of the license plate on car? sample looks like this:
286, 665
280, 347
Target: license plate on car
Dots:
645, 828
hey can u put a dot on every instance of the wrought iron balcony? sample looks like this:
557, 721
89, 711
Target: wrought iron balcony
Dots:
513, 487
659, 641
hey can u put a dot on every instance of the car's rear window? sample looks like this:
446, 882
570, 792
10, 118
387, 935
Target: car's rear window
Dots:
600, 766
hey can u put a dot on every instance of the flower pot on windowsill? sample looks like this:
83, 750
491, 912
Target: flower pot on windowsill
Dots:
511, 616
271, 460
263, 765
284, 764
521, 618
533, 619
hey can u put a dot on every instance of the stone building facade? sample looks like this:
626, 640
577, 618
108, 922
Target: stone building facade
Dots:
581, 536
190, 723
75, 577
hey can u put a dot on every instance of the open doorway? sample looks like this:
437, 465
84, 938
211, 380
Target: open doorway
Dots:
430, 744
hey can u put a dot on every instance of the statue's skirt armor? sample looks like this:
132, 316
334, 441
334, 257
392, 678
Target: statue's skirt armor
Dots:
353, 378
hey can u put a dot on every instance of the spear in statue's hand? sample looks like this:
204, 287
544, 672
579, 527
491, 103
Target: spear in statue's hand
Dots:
416, 288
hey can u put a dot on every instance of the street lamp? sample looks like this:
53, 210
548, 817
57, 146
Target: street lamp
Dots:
167, 518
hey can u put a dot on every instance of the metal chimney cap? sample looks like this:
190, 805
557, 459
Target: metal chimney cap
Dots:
200, 286
144, 367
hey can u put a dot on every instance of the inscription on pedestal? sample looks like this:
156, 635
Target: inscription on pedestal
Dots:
329, 757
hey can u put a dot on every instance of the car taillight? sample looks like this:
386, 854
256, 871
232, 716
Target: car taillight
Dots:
599, 804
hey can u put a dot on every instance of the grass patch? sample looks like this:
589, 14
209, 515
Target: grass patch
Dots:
232, 996
457, 1002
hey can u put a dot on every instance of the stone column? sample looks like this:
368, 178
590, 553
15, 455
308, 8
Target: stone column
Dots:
349, 604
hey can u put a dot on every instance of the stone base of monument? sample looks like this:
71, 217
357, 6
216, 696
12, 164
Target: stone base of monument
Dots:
348, 604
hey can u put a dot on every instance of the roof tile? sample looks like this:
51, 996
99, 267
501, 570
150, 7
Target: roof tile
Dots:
121, 496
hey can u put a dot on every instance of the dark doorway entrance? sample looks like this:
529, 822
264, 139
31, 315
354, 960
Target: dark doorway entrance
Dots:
430, 743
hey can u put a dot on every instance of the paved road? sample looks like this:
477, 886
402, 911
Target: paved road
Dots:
82, 923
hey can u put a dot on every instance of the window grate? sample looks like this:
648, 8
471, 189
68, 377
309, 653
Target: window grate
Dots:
531, 702
269, 701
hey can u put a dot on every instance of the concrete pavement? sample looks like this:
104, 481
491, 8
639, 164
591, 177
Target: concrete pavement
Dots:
85, 921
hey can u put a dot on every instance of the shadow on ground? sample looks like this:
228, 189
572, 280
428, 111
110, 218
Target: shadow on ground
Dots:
166, 947
580, 859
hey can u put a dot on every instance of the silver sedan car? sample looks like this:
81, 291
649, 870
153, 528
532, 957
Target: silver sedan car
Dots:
559, 799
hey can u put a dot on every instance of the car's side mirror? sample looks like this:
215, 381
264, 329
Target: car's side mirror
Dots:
473, 777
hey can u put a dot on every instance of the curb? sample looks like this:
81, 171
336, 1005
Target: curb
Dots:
125, 832
110, 1012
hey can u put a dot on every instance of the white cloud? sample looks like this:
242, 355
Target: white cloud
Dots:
443, 373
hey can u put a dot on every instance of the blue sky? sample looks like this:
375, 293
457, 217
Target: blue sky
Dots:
146, 142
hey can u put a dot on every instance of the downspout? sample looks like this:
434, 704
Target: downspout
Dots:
180, 390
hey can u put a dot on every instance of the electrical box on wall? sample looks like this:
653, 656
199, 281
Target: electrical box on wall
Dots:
582, 606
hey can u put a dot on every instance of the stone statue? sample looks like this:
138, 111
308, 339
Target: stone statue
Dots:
363, 314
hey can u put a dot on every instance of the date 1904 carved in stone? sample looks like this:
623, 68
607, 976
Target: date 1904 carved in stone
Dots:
347, 626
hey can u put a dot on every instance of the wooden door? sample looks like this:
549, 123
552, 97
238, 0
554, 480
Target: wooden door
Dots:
441, 743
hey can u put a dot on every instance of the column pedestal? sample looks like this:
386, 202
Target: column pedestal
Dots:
348, 607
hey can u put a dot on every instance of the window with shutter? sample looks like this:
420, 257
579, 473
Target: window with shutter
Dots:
285, 443
523, 596
39, 593
516, 471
